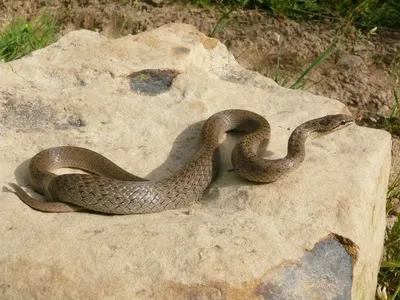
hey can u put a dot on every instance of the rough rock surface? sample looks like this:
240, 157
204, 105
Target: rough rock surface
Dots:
316, 234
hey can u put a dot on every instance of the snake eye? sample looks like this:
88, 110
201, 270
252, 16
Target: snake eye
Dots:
345, 122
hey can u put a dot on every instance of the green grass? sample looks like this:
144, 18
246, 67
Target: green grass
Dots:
300, 81
367, 13
392, 123
222, 22
20, 36
389, 275
346, 12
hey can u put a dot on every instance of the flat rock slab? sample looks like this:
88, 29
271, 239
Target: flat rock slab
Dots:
141, 101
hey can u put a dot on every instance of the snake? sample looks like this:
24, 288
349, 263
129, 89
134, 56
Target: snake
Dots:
107, 188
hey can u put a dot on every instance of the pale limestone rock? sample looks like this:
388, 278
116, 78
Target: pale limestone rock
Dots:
285, 240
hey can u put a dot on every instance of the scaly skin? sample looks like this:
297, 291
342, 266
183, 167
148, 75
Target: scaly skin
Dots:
115, 191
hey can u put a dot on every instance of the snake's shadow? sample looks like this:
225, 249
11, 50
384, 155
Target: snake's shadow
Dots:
22, 179
185, 147
182, 150
21, 173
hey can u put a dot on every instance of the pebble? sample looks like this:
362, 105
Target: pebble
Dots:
350, 61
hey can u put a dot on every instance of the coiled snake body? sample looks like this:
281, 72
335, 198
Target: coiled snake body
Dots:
113, 190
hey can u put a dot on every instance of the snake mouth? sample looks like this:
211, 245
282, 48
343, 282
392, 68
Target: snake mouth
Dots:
344, 123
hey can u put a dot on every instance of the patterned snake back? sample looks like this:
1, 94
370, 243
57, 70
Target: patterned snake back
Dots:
110, 189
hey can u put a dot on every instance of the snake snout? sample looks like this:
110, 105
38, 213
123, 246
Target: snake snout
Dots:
332, 123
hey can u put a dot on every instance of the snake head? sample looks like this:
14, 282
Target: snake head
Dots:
331, 123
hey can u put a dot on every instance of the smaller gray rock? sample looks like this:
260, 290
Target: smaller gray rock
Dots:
359, 48
351, 61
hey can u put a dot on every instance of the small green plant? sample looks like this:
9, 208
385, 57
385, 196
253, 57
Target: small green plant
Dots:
394, 189
20, 36
300, 82
284, 79
123, 27
223, 21
226, 18
392, 123
278, 77
389, 275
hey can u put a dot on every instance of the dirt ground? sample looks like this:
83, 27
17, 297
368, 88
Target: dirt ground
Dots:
360, 74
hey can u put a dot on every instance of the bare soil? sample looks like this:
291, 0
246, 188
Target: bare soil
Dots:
360, 74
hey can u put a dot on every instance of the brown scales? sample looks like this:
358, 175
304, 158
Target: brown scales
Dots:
110, 189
